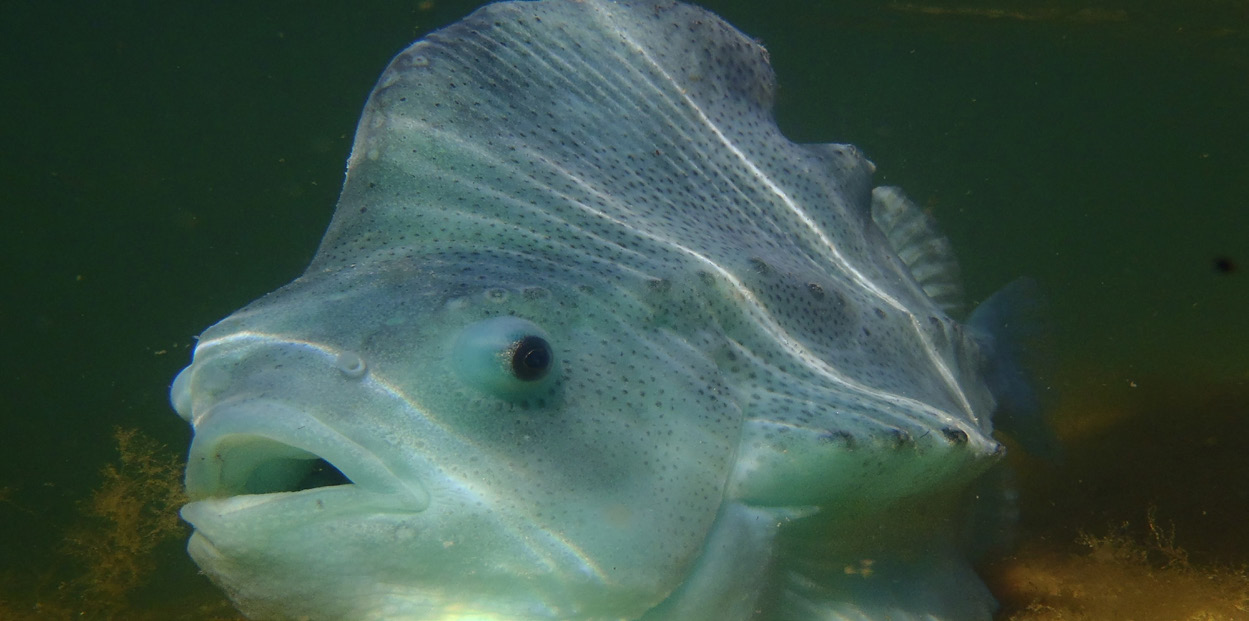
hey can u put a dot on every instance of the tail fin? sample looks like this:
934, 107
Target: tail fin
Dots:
1011, 328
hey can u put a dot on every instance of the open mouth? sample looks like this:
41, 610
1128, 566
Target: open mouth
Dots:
266, 448
256, 465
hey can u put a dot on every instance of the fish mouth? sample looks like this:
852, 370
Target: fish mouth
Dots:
260, 451
256, 465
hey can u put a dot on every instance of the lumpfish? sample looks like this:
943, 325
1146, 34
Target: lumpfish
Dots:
588, 338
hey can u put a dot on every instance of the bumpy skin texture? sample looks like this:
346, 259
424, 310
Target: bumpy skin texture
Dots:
748, 407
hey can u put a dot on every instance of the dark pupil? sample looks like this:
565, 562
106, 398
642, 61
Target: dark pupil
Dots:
531, 359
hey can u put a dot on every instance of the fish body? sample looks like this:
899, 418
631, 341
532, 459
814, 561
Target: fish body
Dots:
589, 338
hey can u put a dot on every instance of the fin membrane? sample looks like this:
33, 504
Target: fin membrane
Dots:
919, 243
1010, 326
927, 585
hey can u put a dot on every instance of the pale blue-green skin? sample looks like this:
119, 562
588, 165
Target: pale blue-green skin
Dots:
754, 410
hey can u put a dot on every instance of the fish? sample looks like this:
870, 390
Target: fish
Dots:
589, 338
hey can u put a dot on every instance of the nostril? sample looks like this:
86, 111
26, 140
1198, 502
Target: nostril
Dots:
351, 365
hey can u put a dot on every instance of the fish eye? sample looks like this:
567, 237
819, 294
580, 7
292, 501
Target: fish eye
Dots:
508, 357
531, 358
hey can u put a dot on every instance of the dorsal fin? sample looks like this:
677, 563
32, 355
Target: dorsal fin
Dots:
919, 243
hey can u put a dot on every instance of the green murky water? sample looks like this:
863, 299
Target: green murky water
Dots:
165, 164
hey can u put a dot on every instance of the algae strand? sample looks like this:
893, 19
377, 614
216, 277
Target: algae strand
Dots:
131, 512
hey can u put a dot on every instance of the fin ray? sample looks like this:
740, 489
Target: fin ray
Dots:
916, 239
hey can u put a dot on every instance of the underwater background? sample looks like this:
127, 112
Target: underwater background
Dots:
163, 164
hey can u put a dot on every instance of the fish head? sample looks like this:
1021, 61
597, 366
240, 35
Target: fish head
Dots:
447, 436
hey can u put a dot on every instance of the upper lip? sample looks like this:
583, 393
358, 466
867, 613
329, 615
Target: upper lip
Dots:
258, 446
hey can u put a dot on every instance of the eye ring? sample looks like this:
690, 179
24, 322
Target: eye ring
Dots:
531, 358
506, 356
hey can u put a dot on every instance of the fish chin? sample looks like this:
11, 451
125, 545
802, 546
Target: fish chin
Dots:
321, 591
270, 484
295, 520
345, 553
